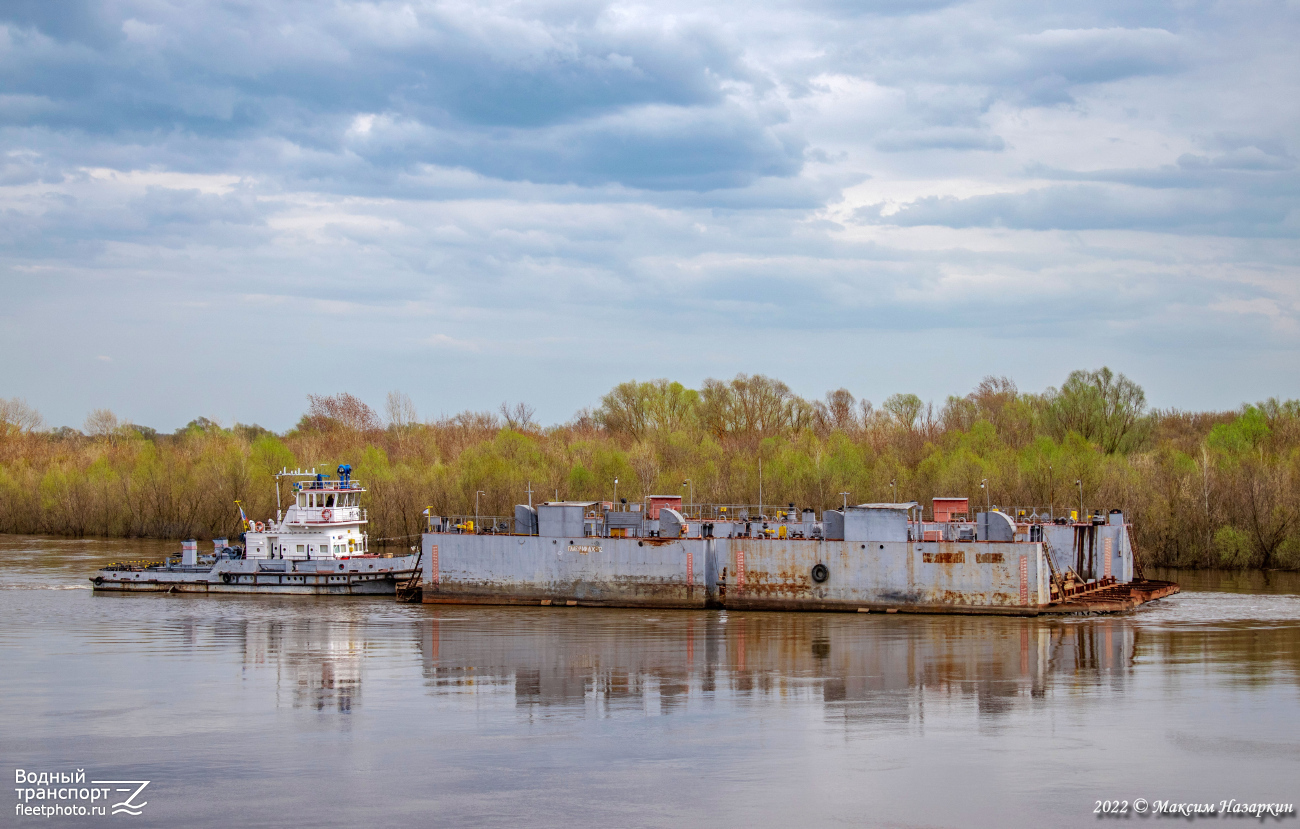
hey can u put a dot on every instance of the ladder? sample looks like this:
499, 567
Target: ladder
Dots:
409, 590
1051, 565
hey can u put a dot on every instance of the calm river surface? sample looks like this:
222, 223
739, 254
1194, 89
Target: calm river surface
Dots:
362, 712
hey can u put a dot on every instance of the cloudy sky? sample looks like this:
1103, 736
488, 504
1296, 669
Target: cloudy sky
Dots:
217, 208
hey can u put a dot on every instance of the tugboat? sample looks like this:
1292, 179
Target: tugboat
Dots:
318, 547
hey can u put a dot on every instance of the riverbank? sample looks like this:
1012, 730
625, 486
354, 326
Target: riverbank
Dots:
1215, 489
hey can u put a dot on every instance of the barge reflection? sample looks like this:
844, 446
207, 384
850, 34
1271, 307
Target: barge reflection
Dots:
603, 662
880, 668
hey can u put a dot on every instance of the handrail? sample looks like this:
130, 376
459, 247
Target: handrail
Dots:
331, 486
483, 524
314, 515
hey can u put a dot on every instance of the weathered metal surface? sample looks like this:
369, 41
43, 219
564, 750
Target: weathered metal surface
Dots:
911, 576
1115, 598
1083, 548
762, 565
625, 572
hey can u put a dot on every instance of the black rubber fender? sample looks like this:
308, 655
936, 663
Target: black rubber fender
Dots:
820, 572
225, 578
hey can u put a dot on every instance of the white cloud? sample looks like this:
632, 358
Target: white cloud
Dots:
553, 197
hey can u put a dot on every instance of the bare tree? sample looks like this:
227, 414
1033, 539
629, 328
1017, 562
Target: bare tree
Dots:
339, 412
101, 423
519, 418
16, 417
837, 412
906, 410
756, 406
400, 410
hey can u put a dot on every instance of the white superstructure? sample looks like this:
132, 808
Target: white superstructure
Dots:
316, 546
324, 521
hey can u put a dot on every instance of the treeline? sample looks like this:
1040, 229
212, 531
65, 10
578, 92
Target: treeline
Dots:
1209, 489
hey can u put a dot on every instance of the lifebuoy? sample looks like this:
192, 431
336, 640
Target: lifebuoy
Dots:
326, 514
820, 573
261, 527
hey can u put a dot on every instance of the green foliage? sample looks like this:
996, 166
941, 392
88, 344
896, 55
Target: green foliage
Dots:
1233, 548
1104, 408
1204, 489
634, 409
1247, 432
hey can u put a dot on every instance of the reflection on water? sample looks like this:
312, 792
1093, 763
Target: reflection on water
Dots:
317, 664
883, 668
292, 710
1232, 581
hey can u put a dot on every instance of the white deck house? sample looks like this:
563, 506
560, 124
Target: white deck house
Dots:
325, 521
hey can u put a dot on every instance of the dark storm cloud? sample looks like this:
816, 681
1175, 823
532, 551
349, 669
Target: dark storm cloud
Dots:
560, 96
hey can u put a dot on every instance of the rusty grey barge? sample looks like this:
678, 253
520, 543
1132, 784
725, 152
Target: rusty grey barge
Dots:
318, 546
862, 558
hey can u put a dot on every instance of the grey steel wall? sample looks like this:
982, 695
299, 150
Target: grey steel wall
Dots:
532, 569
880, 575
867, 523
557, 520
1083, 548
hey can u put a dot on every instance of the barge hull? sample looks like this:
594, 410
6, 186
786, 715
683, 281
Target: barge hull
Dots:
377, 576
984, 577
963, 578
600, 572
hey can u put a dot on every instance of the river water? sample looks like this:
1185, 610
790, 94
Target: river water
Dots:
362, 712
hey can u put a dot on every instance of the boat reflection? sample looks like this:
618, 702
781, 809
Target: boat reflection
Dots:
858, 667
878, 668
317, 663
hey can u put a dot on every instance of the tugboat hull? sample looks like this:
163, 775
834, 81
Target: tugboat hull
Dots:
367, 576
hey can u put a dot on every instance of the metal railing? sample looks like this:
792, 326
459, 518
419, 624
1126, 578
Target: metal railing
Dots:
742, 512
479, 525
315, 515
331, 486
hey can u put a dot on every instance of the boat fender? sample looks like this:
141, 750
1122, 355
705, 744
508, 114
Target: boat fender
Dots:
820, 573
225, 578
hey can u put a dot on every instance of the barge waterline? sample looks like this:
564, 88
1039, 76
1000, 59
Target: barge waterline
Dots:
869, 558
